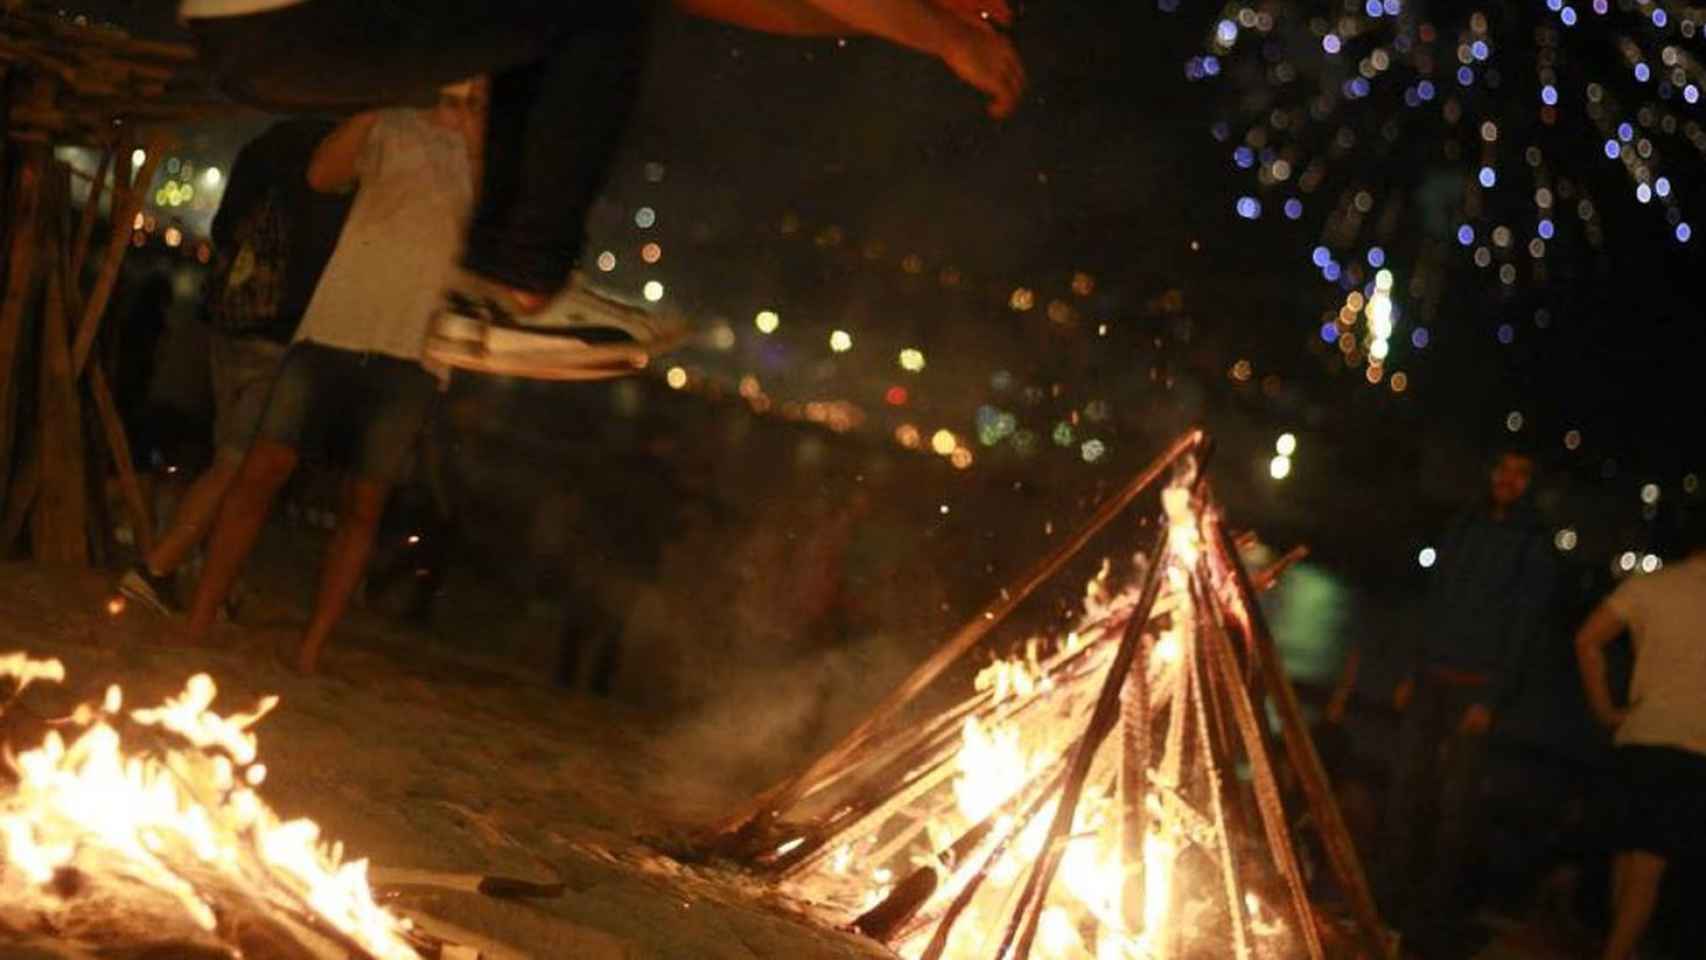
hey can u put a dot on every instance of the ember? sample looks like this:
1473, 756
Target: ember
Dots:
106, 842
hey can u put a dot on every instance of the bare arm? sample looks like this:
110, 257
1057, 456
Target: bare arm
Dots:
1601, 627
973, 50
334, 166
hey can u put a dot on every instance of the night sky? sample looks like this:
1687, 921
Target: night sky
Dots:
834, 183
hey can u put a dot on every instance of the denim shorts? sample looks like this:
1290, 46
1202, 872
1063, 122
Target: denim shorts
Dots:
242, 370
1663, 803
380, 401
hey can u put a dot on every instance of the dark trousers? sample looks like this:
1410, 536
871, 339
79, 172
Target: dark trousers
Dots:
1432, 805
564, 79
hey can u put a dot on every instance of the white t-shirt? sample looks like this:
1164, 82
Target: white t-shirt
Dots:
1666, 614
401, 242
191, 9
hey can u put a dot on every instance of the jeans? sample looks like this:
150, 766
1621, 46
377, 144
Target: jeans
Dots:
565, 75
1436, 781
242, 370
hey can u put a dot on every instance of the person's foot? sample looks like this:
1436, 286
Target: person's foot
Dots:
582, 334
155, 591
290, 652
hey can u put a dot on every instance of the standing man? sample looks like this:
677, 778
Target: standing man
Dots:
356, 362
274, 235
1485, 605
1660, 734
565, 78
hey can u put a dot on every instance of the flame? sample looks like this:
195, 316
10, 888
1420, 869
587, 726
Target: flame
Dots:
1030, 716
184, 820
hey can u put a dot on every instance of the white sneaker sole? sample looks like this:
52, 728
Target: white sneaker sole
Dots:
556, 359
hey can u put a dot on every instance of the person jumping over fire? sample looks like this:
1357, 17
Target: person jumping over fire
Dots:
357, 360
565, 78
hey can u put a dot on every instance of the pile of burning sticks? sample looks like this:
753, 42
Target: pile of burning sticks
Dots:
1107, 794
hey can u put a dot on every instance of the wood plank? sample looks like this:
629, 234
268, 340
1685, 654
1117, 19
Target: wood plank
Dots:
60, 522
23, 497
21, 285
1311, 774
91, 213
117, 441
118, 445
126, 203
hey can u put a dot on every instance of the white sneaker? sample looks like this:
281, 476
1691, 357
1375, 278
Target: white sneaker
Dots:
584, 334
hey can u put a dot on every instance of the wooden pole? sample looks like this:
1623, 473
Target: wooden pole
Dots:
1268, 803
752, 818
1135, 742
1198, 669
118, 445
124, 208
1318, 792
112, 425
60, 527
25, 223
18, 504
92, 212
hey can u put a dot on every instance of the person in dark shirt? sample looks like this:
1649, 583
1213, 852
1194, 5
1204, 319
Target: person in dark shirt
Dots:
274, 235
1489, 592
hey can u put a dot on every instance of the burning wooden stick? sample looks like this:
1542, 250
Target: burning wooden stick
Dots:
755, 816
1029, 910
1312, 777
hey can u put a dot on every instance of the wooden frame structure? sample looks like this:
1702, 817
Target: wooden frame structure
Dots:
1163, 739
69, 83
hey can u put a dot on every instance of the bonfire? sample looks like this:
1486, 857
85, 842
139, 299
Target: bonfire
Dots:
145, 828
1106, 792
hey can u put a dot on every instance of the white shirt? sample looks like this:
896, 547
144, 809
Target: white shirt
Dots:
401, 242
191, 9
1666, 614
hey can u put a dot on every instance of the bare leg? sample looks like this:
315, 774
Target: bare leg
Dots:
268, 465
194, 517
1635, 891
346, 559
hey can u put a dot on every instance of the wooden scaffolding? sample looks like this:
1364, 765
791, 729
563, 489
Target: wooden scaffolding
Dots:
69, 83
